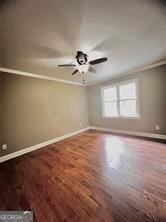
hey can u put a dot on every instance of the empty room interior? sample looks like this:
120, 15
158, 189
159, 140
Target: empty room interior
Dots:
83, 110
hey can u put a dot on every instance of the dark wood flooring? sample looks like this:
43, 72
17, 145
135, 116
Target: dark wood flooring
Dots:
91, 177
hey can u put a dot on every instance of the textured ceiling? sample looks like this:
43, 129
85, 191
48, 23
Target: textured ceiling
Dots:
38, 35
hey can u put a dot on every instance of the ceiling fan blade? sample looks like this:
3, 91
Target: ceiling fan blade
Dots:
67, 65
75, 71
97, 61
91, 69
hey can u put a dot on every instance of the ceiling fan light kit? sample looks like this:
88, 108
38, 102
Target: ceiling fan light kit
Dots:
83, 68
82, 64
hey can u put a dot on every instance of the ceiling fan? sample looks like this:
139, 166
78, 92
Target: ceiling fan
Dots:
83, 65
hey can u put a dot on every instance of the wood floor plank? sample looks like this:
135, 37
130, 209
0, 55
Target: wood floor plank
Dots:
93, 176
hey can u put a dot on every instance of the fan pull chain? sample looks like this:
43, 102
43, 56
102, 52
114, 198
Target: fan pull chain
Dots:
83, 79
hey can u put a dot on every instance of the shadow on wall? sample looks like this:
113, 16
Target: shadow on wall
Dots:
6, 3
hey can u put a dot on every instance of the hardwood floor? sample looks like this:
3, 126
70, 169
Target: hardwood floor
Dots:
91, 177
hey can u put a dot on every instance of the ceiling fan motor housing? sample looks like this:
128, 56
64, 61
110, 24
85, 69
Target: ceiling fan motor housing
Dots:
81, 58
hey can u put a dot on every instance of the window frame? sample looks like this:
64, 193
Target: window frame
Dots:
117, 85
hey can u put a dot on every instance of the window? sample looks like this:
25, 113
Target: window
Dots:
121, 100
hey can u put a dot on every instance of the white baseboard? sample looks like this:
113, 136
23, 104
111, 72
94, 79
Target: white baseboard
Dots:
43, 144
133, 133
40, 145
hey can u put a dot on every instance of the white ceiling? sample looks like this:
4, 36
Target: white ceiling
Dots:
38, 35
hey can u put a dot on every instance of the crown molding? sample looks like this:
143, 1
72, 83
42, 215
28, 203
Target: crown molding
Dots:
128, 73
13, 71
149, 66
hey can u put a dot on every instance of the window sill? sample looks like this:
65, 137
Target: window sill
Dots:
121, 117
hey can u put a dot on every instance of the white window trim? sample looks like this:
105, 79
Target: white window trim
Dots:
118, 101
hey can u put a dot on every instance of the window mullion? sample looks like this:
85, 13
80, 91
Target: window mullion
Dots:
128, 99
110, 101
118, 100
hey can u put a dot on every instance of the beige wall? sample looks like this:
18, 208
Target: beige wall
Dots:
37, 110
152, 87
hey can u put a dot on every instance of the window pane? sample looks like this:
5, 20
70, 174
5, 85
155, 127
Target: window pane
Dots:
128, 108
110, 94
128, 91
110, 109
